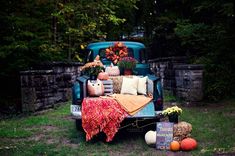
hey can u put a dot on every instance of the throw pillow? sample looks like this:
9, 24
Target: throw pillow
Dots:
129, 86
117, 84
142, 85
95, 87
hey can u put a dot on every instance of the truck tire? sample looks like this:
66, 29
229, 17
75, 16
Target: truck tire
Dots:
78, 123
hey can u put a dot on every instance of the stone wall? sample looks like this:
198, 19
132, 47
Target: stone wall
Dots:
163, 67
48, 85
189, 82
51, 83
37, 89
180, 78
65, 76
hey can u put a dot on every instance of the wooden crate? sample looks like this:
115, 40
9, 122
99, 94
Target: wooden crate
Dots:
108, 87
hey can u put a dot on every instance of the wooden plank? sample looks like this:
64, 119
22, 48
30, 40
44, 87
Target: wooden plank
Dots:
108, 87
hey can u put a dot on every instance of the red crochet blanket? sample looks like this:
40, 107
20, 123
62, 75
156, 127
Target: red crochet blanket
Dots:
101, 114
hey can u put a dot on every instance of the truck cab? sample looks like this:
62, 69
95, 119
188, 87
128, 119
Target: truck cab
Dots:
136, 50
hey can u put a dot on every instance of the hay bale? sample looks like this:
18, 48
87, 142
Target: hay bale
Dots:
182, 130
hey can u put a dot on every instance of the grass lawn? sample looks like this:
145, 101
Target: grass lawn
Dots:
54, 133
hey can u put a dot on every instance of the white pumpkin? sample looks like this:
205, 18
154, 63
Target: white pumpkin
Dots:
150, 137
112, 70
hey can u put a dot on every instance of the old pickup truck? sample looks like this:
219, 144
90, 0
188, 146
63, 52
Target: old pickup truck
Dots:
150, 113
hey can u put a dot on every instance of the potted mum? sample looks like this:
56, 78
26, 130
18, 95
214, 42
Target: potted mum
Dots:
172, 113
92, 69
127, 64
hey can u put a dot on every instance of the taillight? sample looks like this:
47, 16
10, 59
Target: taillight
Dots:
159, 101
159, 104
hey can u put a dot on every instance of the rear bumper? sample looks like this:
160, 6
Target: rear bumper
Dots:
137, 124
132, 123
77, 114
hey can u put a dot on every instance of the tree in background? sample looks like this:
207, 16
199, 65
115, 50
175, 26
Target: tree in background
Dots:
206, 36
87, 21
25, 39
35, 31
202, 30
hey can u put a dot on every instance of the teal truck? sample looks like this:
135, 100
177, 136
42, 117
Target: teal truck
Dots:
150, 113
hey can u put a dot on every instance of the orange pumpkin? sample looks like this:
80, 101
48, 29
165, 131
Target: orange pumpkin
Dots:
103, 76
188, 144
174, 146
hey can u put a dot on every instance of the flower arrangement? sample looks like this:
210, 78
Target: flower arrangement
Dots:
92, 68
115, 52
127, 63
172, 110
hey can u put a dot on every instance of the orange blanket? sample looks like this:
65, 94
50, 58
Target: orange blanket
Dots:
131, 103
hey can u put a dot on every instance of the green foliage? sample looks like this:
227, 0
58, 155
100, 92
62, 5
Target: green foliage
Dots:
127, 63
36, 31
211, 46
216, 54
53, 30
198, 39
169, 97
219, 72
27, 34
204, 31
87, 21
165, 42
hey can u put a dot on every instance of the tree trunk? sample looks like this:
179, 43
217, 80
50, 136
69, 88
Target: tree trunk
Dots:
233, 17
69, 48
54, 27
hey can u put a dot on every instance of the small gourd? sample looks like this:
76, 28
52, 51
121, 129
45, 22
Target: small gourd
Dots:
174, 145
103, 76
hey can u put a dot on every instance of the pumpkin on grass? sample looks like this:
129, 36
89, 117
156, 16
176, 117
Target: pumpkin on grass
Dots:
150, 137
174, 146
188, 144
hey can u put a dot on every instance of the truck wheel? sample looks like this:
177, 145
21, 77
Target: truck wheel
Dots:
78, 123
